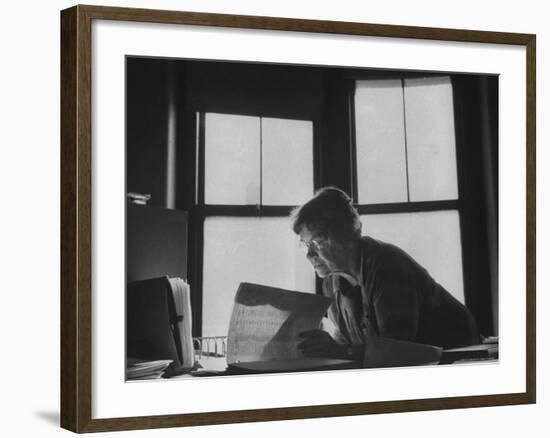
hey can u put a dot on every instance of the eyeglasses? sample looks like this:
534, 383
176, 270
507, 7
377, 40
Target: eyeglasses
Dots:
313, 245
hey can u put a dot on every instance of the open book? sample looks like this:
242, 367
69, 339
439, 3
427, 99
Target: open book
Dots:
265, 328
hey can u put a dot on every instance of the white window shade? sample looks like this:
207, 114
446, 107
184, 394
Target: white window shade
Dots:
232, 159
380, 141
430, 139
287, 161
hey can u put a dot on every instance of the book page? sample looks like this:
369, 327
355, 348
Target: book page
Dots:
266, 323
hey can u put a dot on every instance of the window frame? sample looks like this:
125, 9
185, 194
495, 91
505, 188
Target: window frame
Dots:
334, 163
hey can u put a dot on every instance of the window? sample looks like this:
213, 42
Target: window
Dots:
408, 147
407, 186
255, 170
257, 160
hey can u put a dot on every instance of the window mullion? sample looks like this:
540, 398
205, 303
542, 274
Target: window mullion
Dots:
352, 142
261, 167
405, 139
409, 207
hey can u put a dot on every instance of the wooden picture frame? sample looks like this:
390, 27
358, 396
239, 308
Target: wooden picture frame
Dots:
76, 217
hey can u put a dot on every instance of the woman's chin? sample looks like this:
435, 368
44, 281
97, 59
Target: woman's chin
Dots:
321, 271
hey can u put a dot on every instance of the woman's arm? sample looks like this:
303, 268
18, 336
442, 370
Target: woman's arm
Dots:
318, 343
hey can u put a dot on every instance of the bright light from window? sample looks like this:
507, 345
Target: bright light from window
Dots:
405, 138
380, 139
287, 161
232, 159
431, 139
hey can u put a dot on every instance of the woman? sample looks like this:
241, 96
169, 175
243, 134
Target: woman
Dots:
376, 288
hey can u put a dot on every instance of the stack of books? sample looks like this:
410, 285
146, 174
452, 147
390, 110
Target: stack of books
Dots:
487, 351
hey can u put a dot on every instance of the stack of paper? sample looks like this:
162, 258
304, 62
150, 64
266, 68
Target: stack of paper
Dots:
485, 351
140, 369
182, 302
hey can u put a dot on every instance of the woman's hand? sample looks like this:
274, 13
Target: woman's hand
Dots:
319, 343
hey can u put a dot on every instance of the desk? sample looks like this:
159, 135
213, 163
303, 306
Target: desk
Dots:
216, 365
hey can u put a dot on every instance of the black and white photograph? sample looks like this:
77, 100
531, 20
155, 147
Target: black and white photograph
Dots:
275, 219
285, 218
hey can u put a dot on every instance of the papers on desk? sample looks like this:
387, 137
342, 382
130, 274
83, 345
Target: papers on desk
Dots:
384, 352
485, 351
141, 370
210, 366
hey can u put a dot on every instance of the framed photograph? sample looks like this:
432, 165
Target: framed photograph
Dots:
341, 214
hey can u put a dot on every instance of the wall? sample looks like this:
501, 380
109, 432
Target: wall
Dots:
29, 235
148, 90
156, 242
250, 88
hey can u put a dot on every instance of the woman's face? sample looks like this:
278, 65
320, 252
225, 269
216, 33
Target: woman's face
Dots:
325, 254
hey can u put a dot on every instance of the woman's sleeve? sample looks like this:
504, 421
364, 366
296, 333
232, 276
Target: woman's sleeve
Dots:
396, 305
330, 322
332, 329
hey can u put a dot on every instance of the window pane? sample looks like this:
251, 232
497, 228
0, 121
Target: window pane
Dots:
380, 139
431, 139
232, 159
431, 238
287, 161
236, 250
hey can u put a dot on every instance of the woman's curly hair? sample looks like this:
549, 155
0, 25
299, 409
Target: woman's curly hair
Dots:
330, 213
